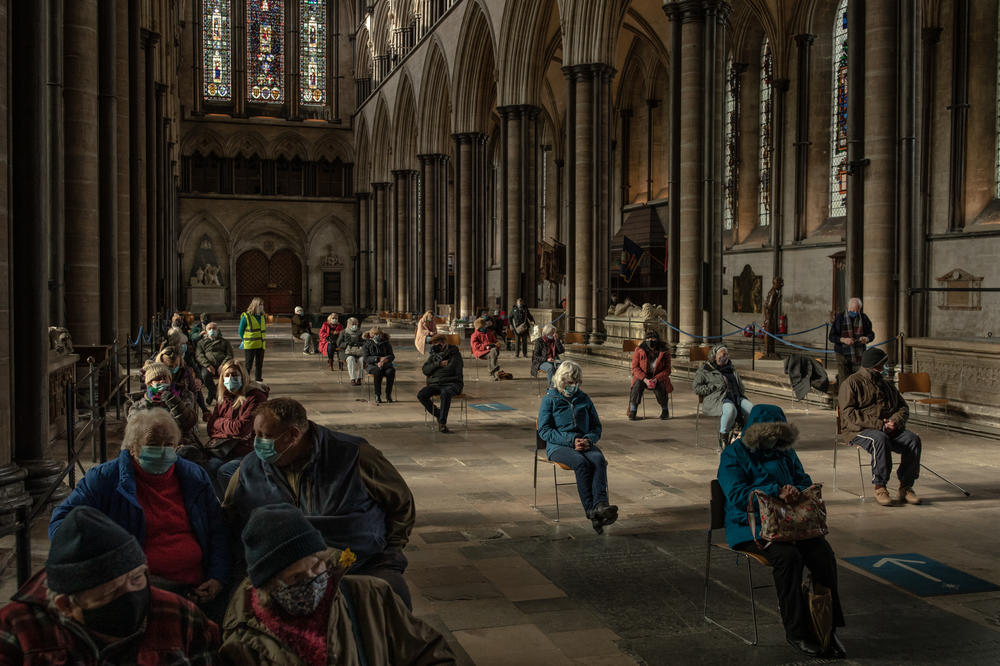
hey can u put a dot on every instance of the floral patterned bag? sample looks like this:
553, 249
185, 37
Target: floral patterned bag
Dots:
784, 521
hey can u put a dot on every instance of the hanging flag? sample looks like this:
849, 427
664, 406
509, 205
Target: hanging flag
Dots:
631, 255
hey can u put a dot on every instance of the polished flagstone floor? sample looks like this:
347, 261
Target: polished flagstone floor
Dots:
510, 585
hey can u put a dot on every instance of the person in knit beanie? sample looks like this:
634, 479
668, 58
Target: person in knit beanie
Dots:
296, 597
93, 600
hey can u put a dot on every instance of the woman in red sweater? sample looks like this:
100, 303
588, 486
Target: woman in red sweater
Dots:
484, 346
650, 370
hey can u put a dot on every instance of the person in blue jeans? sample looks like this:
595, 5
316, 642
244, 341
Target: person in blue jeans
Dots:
722, 390
545, 356
568, 423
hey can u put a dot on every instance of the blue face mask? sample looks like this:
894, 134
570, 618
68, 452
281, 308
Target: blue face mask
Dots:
184, 349
377, 338
157, 459
482, 330
174, 370
214, 333
232, 383
852, 314
570, 389
264, 448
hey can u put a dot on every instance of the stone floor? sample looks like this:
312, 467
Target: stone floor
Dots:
510, 585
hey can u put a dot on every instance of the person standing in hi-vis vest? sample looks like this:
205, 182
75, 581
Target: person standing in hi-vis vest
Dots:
252, 325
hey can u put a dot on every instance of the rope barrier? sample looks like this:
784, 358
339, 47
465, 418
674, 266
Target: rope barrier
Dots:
134, 342
808, 330
700, 337
816, 351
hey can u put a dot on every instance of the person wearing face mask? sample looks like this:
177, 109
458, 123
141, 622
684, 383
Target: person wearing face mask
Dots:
346, 487
162, 392
351, 343
183, 375
378, 358
213, 350
297, 606
328, 334
253, 333
177, 338
570, 427
485, 347
650, 370
167, 503
722, 388
850, 333
198, 330
548, 349
93, 604
521, 321
443, 369
230, 427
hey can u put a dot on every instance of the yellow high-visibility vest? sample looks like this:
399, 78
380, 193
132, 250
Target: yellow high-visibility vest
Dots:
253, 334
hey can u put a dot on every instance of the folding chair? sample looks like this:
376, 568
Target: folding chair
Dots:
920, 382
717, 509
540, 446
463, 408
840, 440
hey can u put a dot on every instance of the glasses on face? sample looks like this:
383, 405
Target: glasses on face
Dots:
316, 566
105, 594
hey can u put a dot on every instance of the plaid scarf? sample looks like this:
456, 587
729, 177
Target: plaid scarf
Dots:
856, 329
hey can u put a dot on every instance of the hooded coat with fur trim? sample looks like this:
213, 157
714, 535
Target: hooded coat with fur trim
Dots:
761, 459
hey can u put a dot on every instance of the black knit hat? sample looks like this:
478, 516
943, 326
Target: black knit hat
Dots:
275, 537
88, 550
873, 357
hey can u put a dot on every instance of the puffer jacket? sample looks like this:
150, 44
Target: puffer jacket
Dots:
450, 374
562, 419
762, 459
539, 354
710, 383
640, 363
213, 352
349, 339
389, 633
865, 398
377, 350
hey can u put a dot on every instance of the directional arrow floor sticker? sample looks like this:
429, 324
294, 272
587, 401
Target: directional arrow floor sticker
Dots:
922, 575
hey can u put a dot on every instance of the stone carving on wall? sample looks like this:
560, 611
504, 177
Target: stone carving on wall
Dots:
60, 341
960, 300
206, 269
331, 259
772, 310
747, 291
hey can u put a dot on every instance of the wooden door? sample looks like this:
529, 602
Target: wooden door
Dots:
277, 280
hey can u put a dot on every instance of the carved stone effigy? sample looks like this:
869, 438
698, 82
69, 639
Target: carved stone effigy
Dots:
633, 321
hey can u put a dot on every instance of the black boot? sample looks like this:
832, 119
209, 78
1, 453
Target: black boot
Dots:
378, 399
664, 414
606, 513
723, 440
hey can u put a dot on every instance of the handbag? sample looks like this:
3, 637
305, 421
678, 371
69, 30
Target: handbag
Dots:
785, 521
354, 350
820, 600
521, 328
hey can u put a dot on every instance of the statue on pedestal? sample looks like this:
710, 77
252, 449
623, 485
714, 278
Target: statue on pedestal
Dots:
60, 341
772, 310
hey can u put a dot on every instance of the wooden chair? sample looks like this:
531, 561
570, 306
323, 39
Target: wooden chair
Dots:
920, 382
572, 338
696, 354
463, 408
540, 457
717, 511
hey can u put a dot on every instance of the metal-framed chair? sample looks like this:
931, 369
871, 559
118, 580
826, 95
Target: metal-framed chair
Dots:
717, 510
840, 440
540, 447
463, 408
920, 382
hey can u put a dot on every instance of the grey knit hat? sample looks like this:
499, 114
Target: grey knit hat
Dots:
276, 536
716, 348
88, 550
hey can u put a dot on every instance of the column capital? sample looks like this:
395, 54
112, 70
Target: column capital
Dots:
362, 196
588, 70
469, 137
402, 173
805, 39
696, 11
431, 158
528, 110
148, 38
381, 185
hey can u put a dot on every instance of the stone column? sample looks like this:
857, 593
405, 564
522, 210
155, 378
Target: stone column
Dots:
403, 252
24, 412
879, 291
908, 192
803, 60
136, 212
364, 248
929, 37
149, 40
381, 219
855, 227
83, 242
959, 110
432, 168
122, 73
468, 186
674, 172
519, 202
57, 175
107, 55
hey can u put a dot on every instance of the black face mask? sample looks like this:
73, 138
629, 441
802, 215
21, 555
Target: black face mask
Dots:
439, 348
121, 617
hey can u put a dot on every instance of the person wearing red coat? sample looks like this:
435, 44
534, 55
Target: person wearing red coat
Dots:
484, 346
328, 334
650, 370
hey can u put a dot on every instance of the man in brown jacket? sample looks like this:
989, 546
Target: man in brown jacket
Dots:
873, 408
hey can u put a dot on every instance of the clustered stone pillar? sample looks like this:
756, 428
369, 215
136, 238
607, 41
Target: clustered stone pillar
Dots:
433, 171
803, 43
402, 250
149, 40
107, 56
380, 225
469, 148
364, 247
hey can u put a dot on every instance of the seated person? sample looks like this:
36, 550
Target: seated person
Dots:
302, 330
763, 459
162, 393
183, 375
443, 368
298, 606
212, 351
499, 320
425, 329
198, 330
545, 355
485, 346
650, 370
720, 385
165, 502
378, 358
871, 407
568, 423
356, 498
94, 604
328, 334
850, 332
351, 343
230, 427
177, 337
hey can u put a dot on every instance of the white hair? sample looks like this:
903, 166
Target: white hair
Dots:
568, 372
855, 299
353, 321
548, 329
150, 426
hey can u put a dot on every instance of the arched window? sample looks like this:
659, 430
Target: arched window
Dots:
246, 175
731, 156
838, 132
312, 53
266, 50
766, 134
217, 51
288, 177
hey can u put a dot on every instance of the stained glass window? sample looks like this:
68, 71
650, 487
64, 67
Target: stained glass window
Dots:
766, 134
997, 167
838, 132
731, 157
312, 54
266, 50
217, 50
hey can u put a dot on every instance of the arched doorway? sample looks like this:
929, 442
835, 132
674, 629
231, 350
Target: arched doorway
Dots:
277, 280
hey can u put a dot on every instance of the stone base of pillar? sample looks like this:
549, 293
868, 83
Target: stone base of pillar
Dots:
13, 493
42, 474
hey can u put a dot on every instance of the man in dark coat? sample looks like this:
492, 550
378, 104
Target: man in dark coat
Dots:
443, 368
850, 333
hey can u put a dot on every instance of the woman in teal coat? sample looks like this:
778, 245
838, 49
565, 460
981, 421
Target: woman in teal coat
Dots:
763, 459
568, 423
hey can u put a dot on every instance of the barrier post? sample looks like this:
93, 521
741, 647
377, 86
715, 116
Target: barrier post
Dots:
92, 406
102, 412
71, 429
753, 346
23, 544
